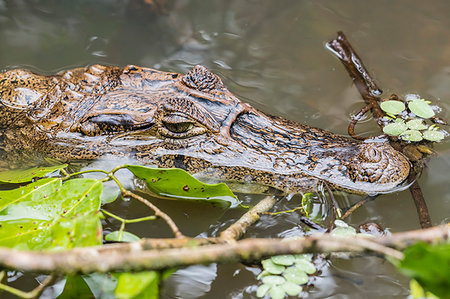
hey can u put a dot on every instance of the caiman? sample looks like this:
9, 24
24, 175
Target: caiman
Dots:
189, 121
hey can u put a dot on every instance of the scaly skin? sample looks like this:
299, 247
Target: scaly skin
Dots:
189, 121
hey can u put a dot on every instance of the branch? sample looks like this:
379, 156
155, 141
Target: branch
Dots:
238, 229
369, 91
100, 259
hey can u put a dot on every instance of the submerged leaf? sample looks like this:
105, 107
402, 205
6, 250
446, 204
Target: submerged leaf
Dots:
75, 287
121, 236
26, 175
421, 108
177, 183
138, 285
392, 107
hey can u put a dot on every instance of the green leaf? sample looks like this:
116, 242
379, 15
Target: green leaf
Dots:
121, 236
433, 135
32, 192
143, 285
429, 265
392, 107
273, 279
75, 287
305, 266
343, 232
285, 260
277, 292
291, 288
395, 129
263, 273
271, 267
110, 193
102, 285
421, 108
411, 135
307, 203
340, 223
418, 292
305, 257
296, 275
262, 290
26, 175
416, 124
48, 215
177, 183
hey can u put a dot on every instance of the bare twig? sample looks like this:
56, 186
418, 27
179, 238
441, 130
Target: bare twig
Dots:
369, 91
238, 229
32, 294
89, 259
356, 206
157, 211
336, 210
421, 206
351, 126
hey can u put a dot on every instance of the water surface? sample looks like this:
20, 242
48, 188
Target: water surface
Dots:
272, 55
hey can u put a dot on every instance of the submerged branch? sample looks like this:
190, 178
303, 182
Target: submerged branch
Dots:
100, 259
369, 91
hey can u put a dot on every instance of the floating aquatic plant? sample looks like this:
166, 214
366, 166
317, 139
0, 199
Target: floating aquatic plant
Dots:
409, 121
284, 275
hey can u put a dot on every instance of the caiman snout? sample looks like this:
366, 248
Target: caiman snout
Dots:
378, 164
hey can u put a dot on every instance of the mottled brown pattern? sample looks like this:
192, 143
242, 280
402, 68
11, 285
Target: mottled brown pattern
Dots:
190, 121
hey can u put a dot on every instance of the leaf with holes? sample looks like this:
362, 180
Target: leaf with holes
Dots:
50, 215
178, 184
26, 175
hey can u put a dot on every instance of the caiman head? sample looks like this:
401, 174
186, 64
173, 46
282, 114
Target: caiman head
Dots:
193, 122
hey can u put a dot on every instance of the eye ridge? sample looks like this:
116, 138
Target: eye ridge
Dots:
104, 124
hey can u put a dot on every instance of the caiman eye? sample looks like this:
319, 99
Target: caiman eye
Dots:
105, 124
177, 125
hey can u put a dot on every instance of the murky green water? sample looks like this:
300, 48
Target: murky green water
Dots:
270, 54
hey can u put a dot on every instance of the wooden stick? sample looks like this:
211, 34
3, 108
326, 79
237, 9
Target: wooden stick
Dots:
369, 91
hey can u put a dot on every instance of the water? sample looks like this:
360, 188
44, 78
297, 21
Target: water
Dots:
272, 55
